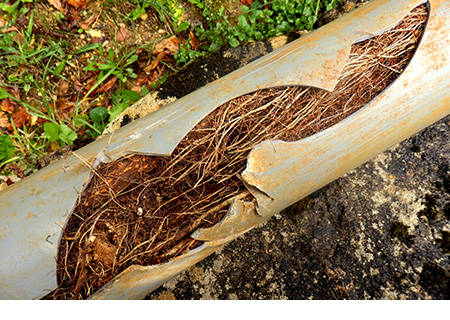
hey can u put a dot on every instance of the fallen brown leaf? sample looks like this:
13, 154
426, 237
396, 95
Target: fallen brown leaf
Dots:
87, 23
57, 4
10, 29
20, 118
136, 89
7, 106
193, 41
15, 92
154, 62
246, 2
107, 85
62, 88
123, 33
4, 121
18, 37
77, 85
78, 3
65, 108
89, 83
142, 79
168, 45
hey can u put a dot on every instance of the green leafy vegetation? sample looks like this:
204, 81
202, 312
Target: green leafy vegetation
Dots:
169, 11
122, 100
263, 19
15, 8
7, 147
59, 132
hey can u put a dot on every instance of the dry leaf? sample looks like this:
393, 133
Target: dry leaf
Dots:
123, 33
78, 3
154, 62
62, 88
65, 108
108, 85
193, 41
89, 83
7, 106
18, 37
15, 92
4, 121
57, 4
246, 2
137, 89
169, 45
20, 118
77, 85
87, 23
10, 29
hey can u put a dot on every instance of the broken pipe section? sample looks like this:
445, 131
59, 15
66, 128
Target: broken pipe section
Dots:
35, 210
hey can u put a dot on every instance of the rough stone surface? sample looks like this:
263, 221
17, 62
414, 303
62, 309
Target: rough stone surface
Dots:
379, 232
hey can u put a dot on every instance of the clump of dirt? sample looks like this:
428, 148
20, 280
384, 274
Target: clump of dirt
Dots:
142, 209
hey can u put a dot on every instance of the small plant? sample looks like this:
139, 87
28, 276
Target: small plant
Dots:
109, 67
122, 100
7, 147
219, 30
169, 11
15, 8
99, 117
186, 54
113, 67
59, 132
198, 3
263, 19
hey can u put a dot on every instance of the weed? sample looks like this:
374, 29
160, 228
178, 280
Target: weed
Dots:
198, 3
263, 19
113, 66
122, 100
186, 54
168, 11
7, 147
16, 8
99, 117
59, 132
